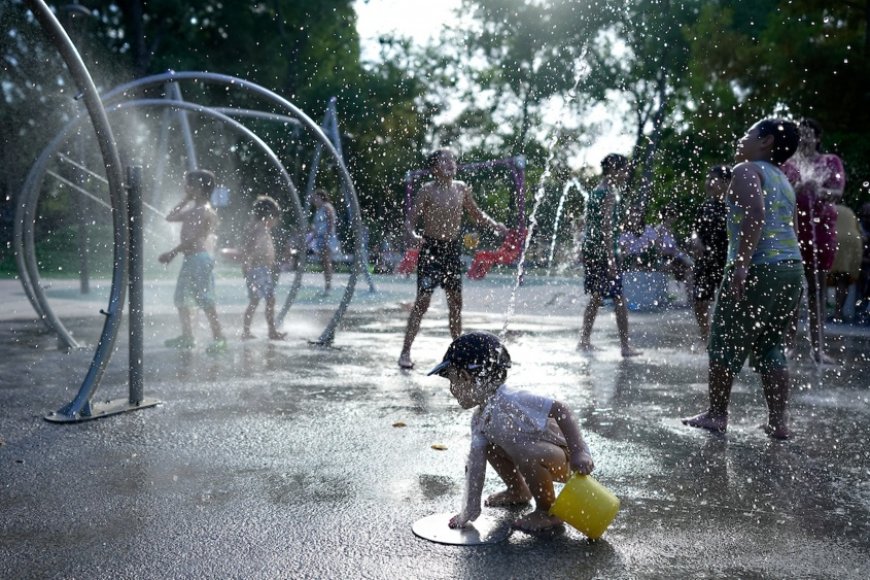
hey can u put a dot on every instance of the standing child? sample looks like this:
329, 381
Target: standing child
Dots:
846, 269
763, 278
324, 241
196, 279
258, 264
603, 278
528, 439
441, 204
711, 245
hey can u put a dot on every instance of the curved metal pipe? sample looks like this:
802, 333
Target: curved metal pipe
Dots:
112, 161
328, 334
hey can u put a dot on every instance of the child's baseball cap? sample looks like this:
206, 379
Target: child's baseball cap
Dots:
475, 352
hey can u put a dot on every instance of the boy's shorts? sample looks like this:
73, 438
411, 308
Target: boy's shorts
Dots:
439, 265
195, 282
597, 279
755, 325
261, 282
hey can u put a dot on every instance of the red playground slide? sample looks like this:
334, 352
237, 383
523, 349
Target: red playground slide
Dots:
409, 262
508, 253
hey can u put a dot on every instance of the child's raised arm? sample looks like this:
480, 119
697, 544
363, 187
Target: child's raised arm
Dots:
479, 216
747, 194
580, 459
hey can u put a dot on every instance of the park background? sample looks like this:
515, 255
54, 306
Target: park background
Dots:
559, 82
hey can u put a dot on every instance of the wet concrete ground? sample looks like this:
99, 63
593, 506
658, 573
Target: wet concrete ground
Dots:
281, 460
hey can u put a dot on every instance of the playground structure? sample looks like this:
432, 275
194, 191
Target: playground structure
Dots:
169, 81
127, 220
483, 261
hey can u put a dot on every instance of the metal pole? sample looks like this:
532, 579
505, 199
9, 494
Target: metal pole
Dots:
175, 94
82, 210
137, 320
361, 249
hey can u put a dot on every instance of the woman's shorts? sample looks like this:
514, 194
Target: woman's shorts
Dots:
195, 282
754, 326
817, 233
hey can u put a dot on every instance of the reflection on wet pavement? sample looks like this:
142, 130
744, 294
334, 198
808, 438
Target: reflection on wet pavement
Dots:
280, 459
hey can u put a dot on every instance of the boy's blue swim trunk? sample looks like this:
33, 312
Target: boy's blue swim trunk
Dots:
195, 282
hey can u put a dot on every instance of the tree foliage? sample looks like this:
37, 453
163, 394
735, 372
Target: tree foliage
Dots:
513, 77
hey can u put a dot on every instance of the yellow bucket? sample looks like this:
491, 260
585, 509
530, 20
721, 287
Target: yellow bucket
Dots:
586, 504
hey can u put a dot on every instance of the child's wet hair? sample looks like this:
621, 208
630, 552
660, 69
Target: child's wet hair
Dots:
433, 158
670, 211
265, 207
201, 179
481, 354
722, 172
613, 163
786, 137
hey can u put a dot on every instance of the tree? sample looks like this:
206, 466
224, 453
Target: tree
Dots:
798, 58
304, 51
506, 64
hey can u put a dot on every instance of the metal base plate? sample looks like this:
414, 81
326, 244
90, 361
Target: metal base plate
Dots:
102, 409
483, 530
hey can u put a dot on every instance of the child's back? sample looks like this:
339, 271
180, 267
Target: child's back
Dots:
259, 247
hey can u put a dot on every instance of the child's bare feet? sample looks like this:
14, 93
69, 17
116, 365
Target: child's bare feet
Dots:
699, 345
508, 498
539, 521
586, 346
248, 336
405, 361
275, 335
781, 432
707, 420
629, 352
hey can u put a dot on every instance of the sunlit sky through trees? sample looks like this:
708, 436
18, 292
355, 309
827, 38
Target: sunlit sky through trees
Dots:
422, 22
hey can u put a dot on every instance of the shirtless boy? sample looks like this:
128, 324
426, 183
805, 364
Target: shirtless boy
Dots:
441, 204
196, 279
258, 265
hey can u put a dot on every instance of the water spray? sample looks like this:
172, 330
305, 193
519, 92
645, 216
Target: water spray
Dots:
580, 73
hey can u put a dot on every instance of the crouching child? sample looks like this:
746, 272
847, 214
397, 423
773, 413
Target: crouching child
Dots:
530, 440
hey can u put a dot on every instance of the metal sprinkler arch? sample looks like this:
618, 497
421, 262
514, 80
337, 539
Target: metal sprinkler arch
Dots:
327, 336
24, 238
